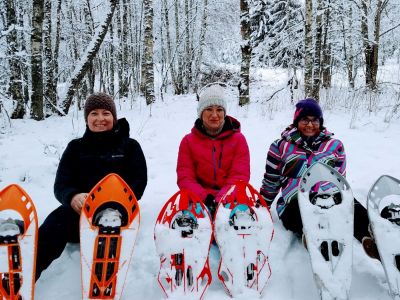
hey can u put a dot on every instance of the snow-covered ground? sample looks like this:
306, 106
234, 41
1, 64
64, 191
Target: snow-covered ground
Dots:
30, 152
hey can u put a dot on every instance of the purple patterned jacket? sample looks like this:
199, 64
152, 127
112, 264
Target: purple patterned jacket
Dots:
289, 157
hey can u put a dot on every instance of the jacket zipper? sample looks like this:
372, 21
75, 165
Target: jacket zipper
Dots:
214, 164
220, 156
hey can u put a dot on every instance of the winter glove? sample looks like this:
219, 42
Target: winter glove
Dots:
211, 204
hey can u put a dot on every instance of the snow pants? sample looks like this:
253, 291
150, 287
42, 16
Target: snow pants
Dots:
60, 227
291, 219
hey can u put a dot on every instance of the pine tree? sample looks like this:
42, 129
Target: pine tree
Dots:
277, 29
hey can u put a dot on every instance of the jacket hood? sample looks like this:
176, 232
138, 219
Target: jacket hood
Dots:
122, 128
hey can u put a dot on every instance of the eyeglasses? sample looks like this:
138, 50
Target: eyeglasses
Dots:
306, 121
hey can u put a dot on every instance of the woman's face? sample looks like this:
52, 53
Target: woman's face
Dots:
213, 117
100, 120
309, 126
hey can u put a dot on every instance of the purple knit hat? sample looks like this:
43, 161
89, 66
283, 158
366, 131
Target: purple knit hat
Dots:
307, 107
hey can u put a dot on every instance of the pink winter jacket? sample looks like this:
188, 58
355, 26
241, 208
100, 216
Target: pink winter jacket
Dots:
207, 165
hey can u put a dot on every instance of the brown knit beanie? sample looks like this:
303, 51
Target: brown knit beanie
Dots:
102, 101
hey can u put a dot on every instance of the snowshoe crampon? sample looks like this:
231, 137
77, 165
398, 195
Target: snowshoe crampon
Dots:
18, 240
243, 231
182, 235
109, 225
326, 206
383, 204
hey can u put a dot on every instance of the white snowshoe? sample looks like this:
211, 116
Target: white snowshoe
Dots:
383, 204
182, 235
327, 211
243, 232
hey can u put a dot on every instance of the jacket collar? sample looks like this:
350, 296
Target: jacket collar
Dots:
293, 135
231, 125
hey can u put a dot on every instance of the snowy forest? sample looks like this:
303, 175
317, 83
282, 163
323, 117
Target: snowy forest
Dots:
54, 53
152, 57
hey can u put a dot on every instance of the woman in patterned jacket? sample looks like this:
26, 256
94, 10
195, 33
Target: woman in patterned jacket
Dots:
301, 144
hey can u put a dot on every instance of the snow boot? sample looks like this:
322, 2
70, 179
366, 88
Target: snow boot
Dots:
370, 248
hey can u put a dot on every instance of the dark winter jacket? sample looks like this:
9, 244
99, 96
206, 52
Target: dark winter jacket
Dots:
208, 164
289, 157
88, 159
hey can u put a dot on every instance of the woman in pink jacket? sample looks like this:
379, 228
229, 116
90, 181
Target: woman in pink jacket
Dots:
214, 155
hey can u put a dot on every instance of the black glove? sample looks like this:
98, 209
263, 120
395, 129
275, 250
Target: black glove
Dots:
211, 204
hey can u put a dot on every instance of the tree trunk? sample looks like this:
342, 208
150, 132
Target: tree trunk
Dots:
375, 45
170, 62
148, 66
326, 51
308, 55
124, 63
57, 44
25, 72
327, 67
348, 45
37, 61
366, 44
112, 61
179, 75
188, 49
137, 42
199, 57
244, 81
317, 53
88, 84
50, 90
84, 64
15, 89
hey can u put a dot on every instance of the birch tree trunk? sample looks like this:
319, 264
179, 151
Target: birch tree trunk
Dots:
308, 51
244, 81
170, 62
57, 44
87, 86
15, 89
112, 61
50, 91
74, 47
199, 56
367, 47
326, 50
178, 58
375, 46
124, 78
25, 72
37, 61
317, 53
346, 22
148, 66
188, 49
85, 62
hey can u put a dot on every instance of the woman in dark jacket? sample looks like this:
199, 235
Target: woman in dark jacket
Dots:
104, 148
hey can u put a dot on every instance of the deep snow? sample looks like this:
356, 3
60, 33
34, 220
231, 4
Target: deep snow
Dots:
30, 152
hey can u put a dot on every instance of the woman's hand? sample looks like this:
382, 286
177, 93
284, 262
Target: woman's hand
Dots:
77, 202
